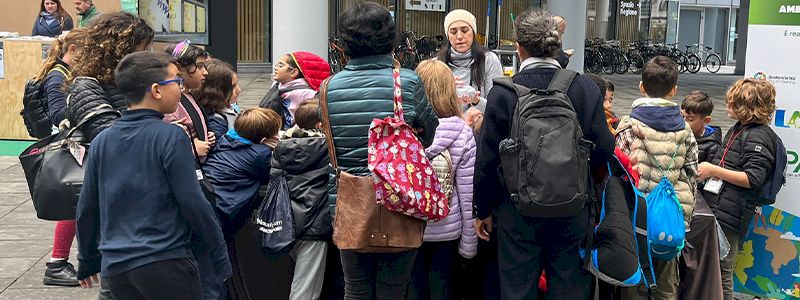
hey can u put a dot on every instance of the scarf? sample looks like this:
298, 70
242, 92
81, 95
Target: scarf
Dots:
48, 18
461, 60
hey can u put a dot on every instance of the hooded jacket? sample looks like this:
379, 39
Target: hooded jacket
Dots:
709, 143
85, 95
454, 135
301, 157
236, 169
651, 136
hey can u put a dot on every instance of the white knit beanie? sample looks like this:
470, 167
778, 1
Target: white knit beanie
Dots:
460, 15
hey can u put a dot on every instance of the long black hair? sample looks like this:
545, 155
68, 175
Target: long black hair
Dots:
478, 67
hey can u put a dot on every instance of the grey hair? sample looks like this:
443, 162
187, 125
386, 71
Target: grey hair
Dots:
535, 31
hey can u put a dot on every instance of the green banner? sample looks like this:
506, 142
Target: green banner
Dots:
774, 12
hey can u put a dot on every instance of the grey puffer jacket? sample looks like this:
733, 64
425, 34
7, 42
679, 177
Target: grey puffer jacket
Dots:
302, 158
86, 95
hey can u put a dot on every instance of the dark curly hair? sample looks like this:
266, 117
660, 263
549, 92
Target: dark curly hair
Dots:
188, 59
111, 37
535, 31
217, 90
367, 29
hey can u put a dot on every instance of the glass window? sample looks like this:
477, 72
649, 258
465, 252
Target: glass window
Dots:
173, 20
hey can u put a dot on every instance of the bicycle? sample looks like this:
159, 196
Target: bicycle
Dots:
336, 57
593, 60
711, 60
406, 53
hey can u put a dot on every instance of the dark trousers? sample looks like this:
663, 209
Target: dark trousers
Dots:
379, 276
433, 271
172, 279
479, 278
530, 245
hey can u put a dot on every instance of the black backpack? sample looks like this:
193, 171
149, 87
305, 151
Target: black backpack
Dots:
545, 161
34, 107
768, 193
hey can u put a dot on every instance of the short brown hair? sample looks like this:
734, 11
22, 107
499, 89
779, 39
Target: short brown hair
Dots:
440, 88
752, 100
307, 116
659, 77
698, 102
257, 123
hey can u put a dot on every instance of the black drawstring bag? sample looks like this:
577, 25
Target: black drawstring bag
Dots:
274, 219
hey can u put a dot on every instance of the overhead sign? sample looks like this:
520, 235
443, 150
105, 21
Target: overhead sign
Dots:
426, 5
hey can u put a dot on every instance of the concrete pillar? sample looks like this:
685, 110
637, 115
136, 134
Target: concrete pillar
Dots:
295, 27
710, 30
601, 23
741, 42
575, 13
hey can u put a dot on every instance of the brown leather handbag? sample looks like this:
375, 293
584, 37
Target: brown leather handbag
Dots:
361, 224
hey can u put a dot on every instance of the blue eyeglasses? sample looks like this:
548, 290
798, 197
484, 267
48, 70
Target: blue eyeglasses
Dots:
178, 80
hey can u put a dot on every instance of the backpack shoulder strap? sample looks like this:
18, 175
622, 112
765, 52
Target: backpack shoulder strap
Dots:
508, 82
562, 80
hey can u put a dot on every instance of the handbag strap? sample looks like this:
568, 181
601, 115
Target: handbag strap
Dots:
197, 121
97, 111
326, 122
191, 145
398, 94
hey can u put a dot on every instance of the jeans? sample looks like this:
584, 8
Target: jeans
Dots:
433, 271
527, 246
379, 276
173, 279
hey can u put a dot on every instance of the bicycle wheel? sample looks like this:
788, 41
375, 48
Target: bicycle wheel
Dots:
594, 62
609, 63
680, 60
636, 63
693, 63
713, 63
622, 64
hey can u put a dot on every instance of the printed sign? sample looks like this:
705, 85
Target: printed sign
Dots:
426, 5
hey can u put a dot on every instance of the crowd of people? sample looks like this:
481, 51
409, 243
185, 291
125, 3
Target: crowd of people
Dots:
196, 166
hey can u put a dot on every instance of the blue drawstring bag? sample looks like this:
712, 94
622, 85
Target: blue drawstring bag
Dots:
666, 231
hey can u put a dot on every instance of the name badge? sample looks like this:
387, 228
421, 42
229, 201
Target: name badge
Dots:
713, 185
199, 174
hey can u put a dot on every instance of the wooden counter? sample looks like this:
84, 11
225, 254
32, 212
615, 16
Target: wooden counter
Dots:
21, 58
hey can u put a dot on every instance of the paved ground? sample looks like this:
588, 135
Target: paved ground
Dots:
26, 242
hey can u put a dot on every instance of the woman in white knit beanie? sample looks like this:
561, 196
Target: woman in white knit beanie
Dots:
473, 64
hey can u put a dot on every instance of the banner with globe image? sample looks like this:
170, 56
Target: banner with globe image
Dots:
769, 263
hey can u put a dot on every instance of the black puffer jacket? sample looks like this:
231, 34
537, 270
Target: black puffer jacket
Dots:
752, 152
302, 158
86, 95
709, 144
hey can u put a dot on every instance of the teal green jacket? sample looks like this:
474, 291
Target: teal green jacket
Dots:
363, 91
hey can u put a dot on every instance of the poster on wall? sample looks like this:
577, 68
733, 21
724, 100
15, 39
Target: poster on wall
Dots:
189, 20
426, 5
769, 263
175, 13
201, 19
155, 13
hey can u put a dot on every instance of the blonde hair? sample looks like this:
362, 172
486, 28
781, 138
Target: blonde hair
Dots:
440, 88
60, 47
257, 123
752, 100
